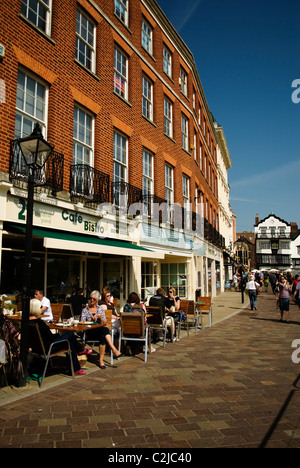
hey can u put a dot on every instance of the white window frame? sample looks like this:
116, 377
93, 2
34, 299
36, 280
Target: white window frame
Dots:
27, 97
201, 156
169, 184
183, 81
87, 39
29, 13
195, 146
147, 98
123, 164
147, 36
168, 117
87, 132
148, 182
120, 78
83, 140
184, 132
121, 10
167, 61
185, 190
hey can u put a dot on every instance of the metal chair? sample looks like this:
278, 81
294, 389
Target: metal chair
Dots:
37, 349
192, 313
205, 308
133, 329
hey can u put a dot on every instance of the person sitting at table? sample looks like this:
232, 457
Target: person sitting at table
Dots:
9, 335
173, 305
93, 312
49, 338
45, 305
134, 304
78, 301
106, 302
160, 300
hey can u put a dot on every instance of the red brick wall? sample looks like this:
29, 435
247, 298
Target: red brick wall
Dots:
53, 61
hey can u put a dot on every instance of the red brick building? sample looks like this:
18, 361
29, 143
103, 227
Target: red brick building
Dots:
116, 91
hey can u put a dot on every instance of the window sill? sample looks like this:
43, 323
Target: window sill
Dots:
38, 30
149, 53
150, 121
86, 69
170, 138
122, 99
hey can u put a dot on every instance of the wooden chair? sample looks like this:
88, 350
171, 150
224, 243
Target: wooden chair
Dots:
205, 308
10, 299
192, 313
66, 312
56, 310
37, 349
156, 322
133, 329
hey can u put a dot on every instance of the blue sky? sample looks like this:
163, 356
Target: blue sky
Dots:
248, 55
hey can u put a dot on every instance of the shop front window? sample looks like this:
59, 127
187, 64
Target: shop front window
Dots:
174, 274
62, 277
149, 279
12, 272
112, 277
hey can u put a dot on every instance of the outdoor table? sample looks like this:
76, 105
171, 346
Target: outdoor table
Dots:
80, 327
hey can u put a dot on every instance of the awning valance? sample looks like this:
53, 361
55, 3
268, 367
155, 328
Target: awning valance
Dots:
62, 240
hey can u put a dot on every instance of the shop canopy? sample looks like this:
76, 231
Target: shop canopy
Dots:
62, 240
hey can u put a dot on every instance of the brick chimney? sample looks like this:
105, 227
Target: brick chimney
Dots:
294, 228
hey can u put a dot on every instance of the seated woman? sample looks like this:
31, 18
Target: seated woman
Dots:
107, 303
134, 304
173, 304
49, 338
94, 312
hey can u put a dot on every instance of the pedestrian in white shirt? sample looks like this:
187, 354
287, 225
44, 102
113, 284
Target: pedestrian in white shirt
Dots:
46, 310
252, 287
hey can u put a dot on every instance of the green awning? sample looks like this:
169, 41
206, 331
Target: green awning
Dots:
62, 240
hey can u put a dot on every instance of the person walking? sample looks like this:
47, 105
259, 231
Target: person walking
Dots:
284, 297
252, 287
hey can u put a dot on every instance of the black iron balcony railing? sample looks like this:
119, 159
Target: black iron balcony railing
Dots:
271, 260
124, 194
152, 204
50, 177
88, 184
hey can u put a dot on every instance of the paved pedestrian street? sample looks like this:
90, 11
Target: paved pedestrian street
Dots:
231, 385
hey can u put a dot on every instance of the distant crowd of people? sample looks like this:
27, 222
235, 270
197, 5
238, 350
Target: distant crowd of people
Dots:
284, 286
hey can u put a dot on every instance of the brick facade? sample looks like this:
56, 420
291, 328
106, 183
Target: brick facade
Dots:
51, 58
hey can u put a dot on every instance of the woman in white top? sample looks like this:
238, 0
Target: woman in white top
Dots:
252, 287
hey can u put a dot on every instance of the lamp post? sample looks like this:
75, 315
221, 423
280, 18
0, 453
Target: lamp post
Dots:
35, 151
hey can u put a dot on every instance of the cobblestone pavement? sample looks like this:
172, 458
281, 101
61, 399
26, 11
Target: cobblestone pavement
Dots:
231, 385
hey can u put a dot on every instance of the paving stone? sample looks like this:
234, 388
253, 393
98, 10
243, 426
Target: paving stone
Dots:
232, 385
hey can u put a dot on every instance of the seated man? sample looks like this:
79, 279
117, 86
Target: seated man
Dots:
46, 310
160, 300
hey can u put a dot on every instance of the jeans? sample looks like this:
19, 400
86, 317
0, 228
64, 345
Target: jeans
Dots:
253, 298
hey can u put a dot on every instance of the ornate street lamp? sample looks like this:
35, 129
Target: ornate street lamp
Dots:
35, 151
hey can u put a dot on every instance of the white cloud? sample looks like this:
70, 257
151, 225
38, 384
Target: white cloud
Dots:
190, 12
